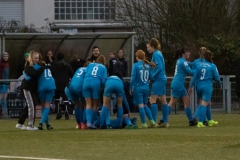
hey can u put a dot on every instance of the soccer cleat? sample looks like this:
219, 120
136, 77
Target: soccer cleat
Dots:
59, 116
49, 127
205, 123
83, 126
212, 123
21, 126
77, 126
152, 124
193, 122
131, 127
164, 125
200, 125
32, 128
40, 127
91, 127
160, 122
144, 126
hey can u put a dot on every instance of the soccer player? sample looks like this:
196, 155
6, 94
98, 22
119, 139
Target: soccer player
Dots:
203, 77
75, 89
95, 77
46, 92
159, 81
139, 87
177, 86
113, 85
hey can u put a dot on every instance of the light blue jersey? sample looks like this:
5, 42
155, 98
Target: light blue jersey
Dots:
139, 83
46, 81
196, 63
181, 70
113, 85
205, 73
77, 80
158, 73
95, 77
203, 77
140, 76
96, 70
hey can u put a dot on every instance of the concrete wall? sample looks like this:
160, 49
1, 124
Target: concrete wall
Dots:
35, 11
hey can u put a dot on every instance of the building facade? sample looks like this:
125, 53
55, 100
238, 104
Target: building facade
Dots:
63, 16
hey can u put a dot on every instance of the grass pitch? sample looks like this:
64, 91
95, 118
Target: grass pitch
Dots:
179, 142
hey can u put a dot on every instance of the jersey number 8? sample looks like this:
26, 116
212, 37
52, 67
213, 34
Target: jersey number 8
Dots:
94, 71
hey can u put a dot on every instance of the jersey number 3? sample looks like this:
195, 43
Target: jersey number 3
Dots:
203, 71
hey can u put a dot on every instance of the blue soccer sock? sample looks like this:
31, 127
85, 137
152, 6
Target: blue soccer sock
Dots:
165, 113
196, 114
107, 120
77, 114
209, 113
148, 112
94, 116
47, 121
120, 115
103, 115
142, 114
127, 121
202, 113
188, 112
169, 110
84, 116
154, 110
44, 115
89, 116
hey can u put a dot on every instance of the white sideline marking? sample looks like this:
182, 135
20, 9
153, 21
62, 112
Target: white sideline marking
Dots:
17, 157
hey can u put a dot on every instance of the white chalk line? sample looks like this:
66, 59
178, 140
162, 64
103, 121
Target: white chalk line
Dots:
18, 157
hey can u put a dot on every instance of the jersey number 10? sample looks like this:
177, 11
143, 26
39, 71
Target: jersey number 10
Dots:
47, 73
144, 75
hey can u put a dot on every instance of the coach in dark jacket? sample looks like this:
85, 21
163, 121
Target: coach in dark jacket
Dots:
124, 64
62, 72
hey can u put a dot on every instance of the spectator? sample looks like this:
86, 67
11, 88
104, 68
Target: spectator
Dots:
4, 74
49, 59
124, 65
76, 63
21, 66
114, 65
95, 54
62, 72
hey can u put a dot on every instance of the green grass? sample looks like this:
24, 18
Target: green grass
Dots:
177, 142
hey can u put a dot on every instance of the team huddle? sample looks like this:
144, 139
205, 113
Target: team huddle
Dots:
84, 90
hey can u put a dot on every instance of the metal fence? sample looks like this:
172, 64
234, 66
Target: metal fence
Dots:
12, 100
222, 100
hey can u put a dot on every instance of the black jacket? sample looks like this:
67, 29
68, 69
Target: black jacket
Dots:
62, 72
114, 66
47, 60
20, 68
32, 84
124, 67
77, 64
92, 58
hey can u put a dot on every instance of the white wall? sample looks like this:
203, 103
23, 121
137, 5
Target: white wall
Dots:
35, 11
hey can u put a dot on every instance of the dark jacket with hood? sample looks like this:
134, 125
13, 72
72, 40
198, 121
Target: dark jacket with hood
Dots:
62, 72
32, 84
114, 67
76, 64
124, 66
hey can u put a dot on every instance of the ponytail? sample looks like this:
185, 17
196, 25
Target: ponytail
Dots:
152, 65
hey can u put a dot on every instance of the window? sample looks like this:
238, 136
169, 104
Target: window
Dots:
84, 9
